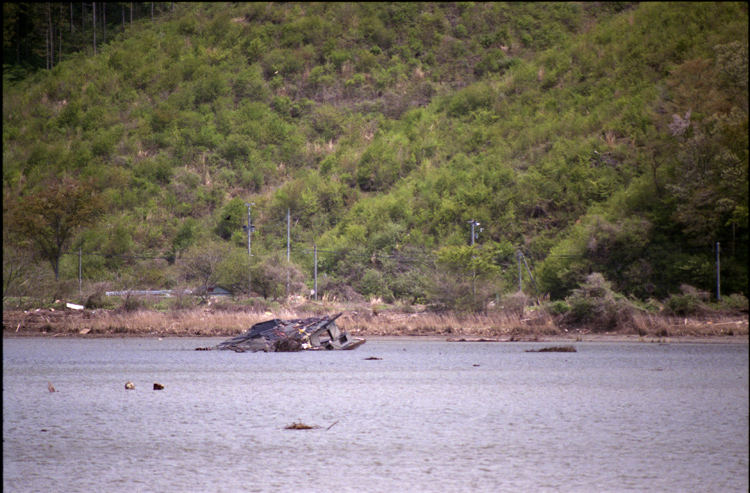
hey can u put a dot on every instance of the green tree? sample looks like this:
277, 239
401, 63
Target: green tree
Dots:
270, 276
202, 264
464, 279
51, 215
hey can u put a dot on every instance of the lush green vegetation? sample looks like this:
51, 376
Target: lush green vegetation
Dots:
604, 138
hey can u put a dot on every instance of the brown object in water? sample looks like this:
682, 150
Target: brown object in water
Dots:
158, 386
299, 426
130, 386
50, 387
553, 349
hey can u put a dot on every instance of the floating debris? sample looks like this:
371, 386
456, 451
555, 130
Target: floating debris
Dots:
158, 386
553, 349
130, 386
463, 339
373, 358
300, 426
290, 336
50, 387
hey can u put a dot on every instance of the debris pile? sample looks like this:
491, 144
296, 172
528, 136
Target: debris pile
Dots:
291, 335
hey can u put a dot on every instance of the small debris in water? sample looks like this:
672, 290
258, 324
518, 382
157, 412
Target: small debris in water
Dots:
553, 349
158, 386
372, 358
463, 339
130, 386
300, 426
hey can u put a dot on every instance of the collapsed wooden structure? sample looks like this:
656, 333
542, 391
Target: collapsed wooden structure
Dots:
292, 335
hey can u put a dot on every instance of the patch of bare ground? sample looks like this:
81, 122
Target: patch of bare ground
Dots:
364, 322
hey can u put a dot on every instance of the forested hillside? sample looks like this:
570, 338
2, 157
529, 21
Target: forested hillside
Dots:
581, 137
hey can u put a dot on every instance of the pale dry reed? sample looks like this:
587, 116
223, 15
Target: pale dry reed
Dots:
361, 320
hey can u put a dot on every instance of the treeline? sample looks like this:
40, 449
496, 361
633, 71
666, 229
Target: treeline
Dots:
39, 35
607, 138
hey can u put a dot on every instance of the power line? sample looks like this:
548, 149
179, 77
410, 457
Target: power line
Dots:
649, 248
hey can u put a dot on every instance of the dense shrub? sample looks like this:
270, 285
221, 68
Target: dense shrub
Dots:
735, 301
96, 299
476, 96
516, 303
373, 284
558, 307
132, 303
690, 302
594, 304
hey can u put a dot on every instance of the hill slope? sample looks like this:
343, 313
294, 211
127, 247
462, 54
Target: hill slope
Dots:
590, 137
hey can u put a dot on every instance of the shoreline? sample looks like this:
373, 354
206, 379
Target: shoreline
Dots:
370, 324
596, 338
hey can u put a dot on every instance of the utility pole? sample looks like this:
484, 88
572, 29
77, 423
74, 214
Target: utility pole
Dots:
520, 285
527, 269
718, 274
249, 230
474, 236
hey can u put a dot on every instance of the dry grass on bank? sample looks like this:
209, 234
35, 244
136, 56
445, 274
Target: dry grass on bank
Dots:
142, 322
361, 321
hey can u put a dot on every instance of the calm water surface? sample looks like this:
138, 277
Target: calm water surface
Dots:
429, 416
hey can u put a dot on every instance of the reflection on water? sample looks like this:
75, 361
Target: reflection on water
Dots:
428, 416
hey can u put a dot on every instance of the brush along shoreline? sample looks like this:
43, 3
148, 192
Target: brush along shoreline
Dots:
491, 327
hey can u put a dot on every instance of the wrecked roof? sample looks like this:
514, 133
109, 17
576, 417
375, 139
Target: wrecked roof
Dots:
292, 335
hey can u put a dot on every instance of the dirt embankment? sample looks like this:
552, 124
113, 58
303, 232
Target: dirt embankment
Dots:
364, 322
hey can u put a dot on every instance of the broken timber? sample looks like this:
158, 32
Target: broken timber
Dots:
292, 335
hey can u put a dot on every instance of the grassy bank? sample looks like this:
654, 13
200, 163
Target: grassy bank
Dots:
223, 320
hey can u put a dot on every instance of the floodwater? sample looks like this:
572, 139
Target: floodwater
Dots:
428, 416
